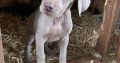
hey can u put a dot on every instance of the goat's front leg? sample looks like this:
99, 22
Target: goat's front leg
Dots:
63, 49
30, 40
40, 55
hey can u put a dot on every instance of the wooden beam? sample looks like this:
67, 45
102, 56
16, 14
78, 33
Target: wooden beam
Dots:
111, 11
118, 54
1, 49
118, 49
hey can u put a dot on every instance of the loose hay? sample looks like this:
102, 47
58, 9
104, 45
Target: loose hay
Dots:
13, 31
82, 39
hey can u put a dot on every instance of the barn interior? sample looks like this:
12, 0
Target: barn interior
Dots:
83, 38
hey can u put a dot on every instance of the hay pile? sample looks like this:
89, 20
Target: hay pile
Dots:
82, 39
13, 31
84, 34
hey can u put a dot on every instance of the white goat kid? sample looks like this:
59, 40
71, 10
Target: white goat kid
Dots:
51, 22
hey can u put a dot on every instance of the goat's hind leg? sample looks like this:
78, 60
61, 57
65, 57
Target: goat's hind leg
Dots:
27, 50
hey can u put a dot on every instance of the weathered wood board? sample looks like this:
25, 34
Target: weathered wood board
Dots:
111, 12
1, 49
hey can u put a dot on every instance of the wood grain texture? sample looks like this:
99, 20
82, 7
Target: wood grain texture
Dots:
118, 51
111, 12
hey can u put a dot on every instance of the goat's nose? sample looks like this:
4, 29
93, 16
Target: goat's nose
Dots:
48, 8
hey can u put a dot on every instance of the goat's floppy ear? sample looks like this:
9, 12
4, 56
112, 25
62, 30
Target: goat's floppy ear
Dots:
70, 4
83, 5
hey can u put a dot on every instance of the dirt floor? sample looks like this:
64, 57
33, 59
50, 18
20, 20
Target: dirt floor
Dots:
82, 39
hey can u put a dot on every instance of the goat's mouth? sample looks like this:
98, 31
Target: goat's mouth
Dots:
48, 13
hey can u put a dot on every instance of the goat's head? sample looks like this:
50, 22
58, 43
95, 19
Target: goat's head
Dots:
54, 8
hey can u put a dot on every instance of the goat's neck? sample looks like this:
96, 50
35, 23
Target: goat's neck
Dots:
60, 19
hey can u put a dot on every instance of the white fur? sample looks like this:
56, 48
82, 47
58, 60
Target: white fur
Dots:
49, 29
44, 26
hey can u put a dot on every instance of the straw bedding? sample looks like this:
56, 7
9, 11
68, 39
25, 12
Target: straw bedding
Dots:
82, 39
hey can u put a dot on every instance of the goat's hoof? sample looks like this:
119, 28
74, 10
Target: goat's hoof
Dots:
41, 61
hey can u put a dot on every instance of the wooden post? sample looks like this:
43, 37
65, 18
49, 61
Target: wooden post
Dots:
118, 54
111, 11
118, 50
1, 49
